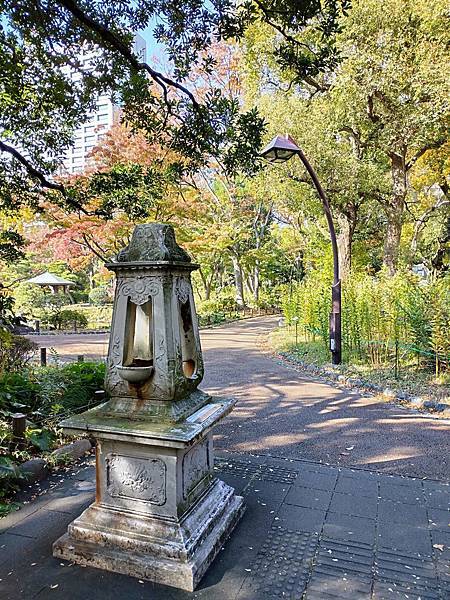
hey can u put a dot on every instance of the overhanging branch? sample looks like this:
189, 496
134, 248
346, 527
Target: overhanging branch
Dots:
117, 44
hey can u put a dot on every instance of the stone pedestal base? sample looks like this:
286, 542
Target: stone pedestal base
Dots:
170, 553
159, 513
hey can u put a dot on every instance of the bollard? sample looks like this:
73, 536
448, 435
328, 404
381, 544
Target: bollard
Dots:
43, 357
80, 358
18, 430
37, 326
99, 396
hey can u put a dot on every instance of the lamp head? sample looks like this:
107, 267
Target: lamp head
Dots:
280, 149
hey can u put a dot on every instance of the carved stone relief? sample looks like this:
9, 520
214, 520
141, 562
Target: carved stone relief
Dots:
195, 466
136, 478
182, 290
115, 360
139, 289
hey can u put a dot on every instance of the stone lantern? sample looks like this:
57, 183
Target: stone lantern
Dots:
160, 513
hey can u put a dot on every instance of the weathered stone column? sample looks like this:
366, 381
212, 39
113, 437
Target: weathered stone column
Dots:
159, 513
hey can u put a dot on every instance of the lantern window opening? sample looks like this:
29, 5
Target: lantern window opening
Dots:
139, 333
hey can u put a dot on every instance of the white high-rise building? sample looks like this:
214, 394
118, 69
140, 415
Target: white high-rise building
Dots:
99, 121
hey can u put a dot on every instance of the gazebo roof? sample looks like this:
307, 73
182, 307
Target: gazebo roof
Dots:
49, 279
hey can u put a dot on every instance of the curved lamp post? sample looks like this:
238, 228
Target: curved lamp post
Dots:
279, 150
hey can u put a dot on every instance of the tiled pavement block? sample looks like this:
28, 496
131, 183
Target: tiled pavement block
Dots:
439, 519
282, 566
341, 570
319, 481
276, 474
51, 580
390, 511
352, 485
358, 506
309, 497
343, 587
389, 490
42, 524
239, 468
406, 570
266, 491
388, 590
411, 482
359, 474
405, 537
299, 518
436, 498
12, 549
348, 527
304, 466
13, 518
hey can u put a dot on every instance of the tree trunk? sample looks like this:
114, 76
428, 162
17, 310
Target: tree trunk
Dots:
394, 213
256, 282
238, 281
345, 241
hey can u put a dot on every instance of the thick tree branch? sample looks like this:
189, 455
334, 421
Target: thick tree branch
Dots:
117, 44
51, 185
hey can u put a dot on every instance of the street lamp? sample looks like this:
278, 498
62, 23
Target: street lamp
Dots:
279, 150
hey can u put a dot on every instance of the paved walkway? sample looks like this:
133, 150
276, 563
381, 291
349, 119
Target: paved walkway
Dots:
311, 530
285, 413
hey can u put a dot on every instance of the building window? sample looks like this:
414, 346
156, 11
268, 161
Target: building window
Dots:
102, 118
89, 138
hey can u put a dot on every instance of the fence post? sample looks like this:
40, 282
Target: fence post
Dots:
43, 357
37, 326
18, 430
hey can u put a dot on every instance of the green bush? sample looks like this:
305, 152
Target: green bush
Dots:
16, 351
98, 317
44, 392
100, 295
68, 319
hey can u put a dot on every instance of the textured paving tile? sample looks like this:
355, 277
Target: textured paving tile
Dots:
282, 566
310, 532
341, 570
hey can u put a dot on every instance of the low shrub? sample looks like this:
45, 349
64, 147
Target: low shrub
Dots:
16, 351
68, 319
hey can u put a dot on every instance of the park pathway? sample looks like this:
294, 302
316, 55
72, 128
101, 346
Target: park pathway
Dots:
284, 413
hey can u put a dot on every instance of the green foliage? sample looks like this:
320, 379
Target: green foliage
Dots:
100, 295
98, 317
16, 351
383, 317
68, 319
